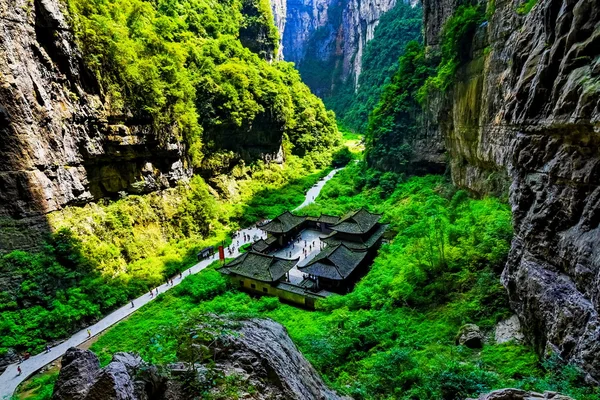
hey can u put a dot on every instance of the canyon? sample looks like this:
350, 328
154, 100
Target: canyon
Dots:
326, 39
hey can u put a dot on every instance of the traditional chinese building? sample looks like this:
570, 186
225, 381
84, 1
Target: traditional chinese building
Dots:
265, 275
351, 248
284, 228
336, 268
359, 230
258, 272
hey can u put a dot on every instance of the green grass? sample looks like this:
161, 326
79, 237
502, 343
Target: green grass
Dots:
39, 387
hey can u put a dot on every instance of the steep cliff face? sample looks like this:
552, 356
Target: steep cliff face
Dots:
326, 38
525, 112
58, 146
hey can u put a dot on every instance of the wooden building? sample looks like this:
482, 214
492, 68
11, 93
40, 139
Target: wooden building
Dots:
265, 246
336, 269
284, 227
257, 272
351, 248
265, 275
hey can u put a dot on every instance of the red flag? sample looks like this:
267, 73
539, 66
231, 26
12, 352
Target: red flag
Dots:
221, 253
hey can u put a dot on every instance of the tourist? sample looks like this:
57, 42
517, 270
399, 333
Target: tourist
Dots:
89, 333
132, 304
19, 372
151, 293
47, 349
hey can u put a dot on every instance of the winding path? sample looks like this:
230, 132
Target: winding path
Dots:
9, 380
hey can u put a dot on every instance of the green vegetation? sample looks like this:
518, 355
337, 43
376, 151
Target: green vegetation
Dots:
189, 67
395, 120
201, 71
40, 387
103, 255
526, 7
396, 28
456, 41
393, 336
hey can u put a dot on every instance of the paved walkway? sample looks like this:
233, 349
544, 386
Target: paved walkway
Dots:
308, 238
9, 380
314, 191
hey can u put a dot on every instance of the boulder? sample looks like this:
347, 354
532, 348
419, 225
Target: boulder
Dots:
470, 336
258, 352
509, 329
77, 375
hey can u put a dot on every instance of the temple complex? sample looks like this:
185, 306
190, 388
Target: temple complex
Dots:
346, 248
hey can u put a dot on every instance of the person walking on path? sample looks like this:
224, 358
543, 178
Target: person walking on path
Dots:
132, 306
89, 333
19, 372
47, 349
151, 293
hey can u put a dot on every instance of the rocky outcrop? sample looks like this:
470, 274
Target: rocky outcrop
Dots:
524, 117
58, 143
258, 352
326, 38
263, 348
518, 394
470, 335
508, 330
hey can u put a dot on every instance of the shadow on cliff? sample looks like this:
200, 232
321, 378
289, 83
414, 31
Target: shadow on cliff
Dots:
23, 222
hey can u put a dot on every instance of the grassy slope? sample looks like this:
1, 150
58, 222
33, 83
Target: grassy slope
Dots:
393, 337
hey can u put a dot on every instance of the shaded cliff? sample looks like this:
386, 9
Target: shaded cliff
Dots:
523, 117
58, 145
94, 111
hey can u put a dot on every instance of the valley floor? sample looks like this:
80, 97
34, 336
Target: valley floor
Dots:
393, 337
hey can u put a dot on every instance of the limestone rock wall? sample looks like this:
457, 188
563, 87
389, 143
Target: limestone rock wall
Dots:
328, 32
58, 145
524, 118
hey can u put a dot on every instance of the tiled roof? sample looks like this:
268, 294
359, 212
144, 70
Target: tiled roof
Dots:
357, 222
328, 219
283, 223
259, 266
260, 246
334, 262
333, 239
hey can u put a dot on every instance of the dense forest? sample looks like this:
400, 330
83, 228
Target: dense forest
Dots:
204, 69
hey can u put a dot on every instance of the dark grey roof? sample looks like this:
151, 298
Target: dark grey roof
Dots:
260, 246
358, 222
334, 262
283, 223
334, 239
328, 219
260, 267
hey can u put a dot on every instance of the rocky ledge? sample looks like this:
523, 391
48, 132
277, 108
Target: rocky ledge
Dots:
258, 356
